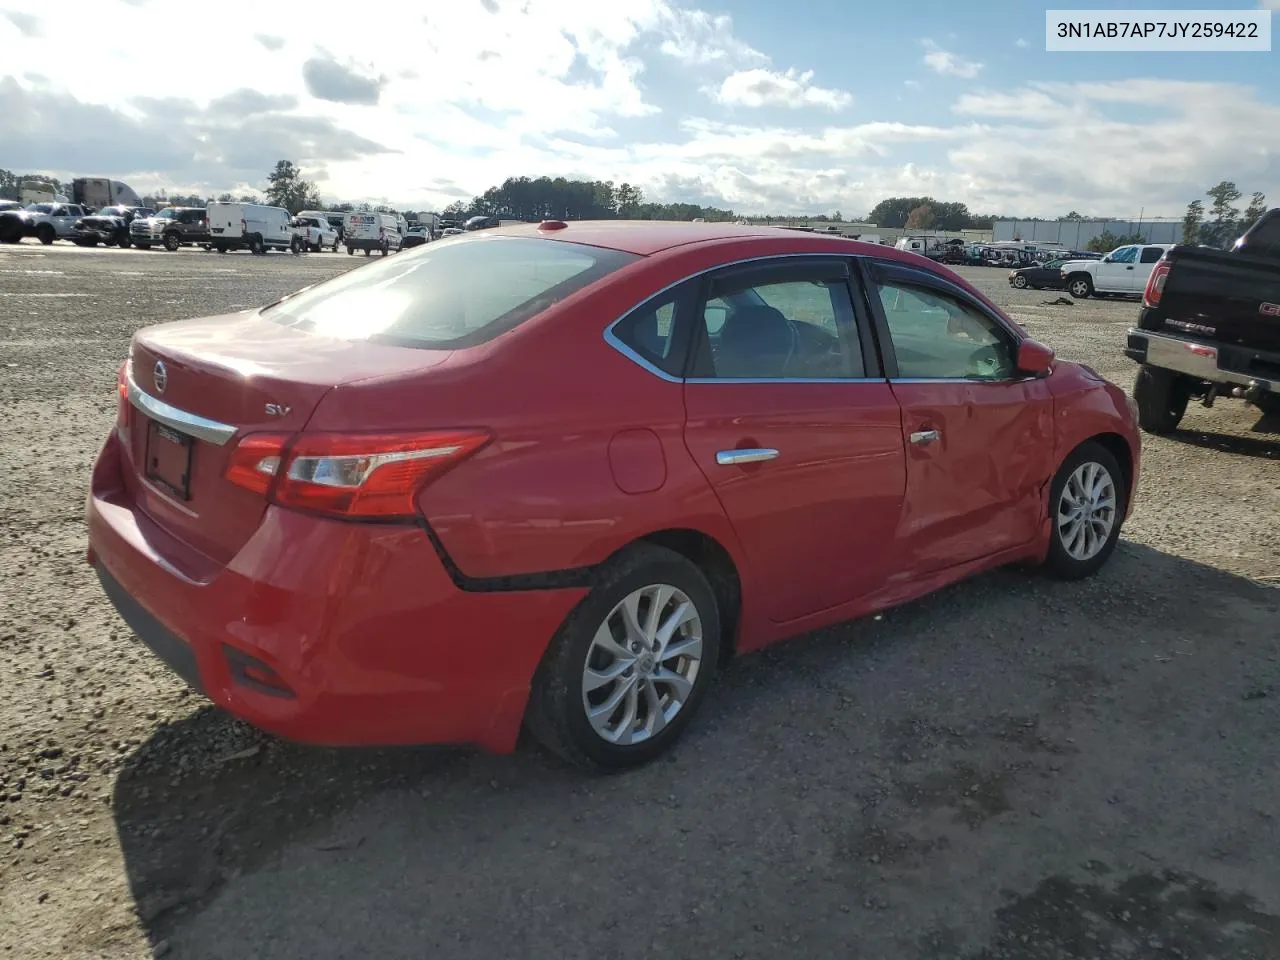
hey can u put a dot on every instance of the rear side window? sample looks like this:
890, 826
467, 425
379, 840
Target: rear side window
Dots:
1152, 254
448, 295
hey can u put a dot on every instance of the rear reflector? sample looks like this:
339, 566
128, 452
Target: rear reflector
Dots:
122, 401
352, 476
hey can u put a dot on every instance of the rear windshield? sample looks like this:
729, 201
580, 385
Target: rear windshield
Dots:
449, 294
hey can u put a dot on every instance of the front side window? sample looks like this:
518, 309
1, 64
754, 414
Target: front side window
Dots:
793, 329
448, 296
937, 337
1125, 255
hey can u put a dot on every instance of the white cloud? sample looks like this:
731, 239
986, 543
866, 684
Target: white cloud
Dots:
477, 93
949, 64
1022, 42
760, 87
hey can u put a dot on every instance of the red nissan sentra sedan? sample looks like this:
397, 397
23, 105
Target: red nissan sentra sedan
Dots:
556, 474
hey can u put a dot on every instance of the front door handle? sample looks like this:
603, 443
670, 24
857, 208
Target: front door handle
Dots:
730, 458
925, 437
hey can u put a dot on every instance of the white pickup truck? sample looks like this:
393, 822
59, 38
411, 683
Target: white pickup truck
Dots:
1122, 272
313, 233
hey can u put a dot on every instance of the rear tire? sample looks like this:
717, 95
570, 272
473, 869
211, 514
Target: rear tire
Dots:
663, 688
1162, 397
1269, 405
1086, 508
122, 240
1080, 286
351, 251
46, 234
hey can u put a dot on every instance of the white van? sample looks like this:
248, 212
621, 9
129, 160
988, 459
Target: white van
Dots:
372, 231
254, 226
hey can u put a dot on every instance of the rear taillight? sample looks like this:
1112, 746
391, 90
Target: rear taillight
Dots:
1155, 284
255, 461
353, 476
122, 401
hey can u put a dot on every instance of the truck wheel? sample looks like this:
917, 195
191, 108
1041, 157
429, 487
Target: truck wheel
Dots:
1269, 405
294, 246
350, 251
122, 240
335, 245
1020, 281
172, 242
382, 248
46, 234
255, 244
1080, 286
1162, 397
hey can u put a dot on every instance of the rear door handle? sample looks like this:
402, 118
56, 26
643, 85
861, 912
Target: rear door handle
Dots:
729, 458
924, 437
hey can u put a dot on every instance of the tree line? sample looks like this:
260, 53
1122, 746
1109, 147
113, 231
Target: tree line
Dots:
542, 198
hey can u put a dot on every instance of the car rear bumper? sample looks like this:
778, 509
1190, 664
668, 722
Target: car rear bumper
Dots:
326, 632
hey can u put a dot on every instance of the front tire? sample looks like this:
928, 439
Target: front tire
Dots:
1162, 397
46, 234
172, 242
1080, 286
256, 245
351, 251
629, 667
1020, 282
1087, 506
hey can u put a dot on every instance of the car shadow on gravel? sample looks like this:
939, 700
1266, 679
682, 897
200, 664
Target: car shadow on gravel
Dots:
1012, 767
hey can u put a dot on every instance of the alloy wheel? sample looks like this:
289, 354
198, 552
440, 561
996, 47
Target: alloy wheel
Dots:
642, 664
1086, 510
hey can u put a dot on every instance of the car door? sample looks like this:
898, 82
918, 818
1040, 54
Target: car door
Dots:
63, 219
978, 436
794, 426
1114, 273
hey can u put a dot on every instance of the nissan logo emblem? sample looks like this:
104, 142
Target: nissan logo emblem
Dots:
160, 376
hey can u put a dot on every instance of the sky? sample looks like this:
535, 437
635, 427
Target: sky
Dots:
808, 106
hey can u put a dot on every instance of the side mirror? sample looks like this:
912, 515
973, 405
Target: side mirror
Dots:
1034, 358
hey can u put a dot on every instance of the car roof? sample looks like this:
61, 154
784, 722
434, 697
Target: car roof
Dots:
648, 237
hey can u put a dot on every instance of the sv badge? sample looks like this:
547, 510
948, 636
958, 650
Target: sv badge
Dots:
277, 410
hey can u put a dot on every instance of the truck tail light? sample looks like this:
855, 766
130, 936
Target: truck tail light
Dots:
1155, 284
349, 475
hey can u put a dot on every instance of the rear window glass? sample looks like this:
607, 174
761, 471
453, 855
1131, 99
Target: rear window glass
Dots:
449, 294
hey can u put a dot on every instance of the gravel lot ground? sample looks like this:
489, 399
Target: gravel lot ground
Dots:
1011, 768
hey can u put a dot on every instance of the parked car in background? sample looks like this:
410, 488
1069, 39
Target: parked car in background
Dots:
1210, 328
1039, 276
417, 235
1123, 271
254, 227
332, 220
172, 227
48, 222
110, 226
10, 205
765, 432
312, 233
14, 224
481, 223
372, 232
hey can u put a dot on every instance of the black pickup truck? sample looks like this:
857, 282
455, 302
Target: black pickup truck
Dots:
1209, 328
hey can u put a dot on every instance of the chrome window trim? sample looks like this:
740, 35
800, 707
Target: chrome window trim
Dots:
613, 340
211, 431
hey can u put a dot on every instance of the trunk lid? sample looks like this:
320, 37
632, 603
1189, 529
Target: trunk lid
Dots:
201, 385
